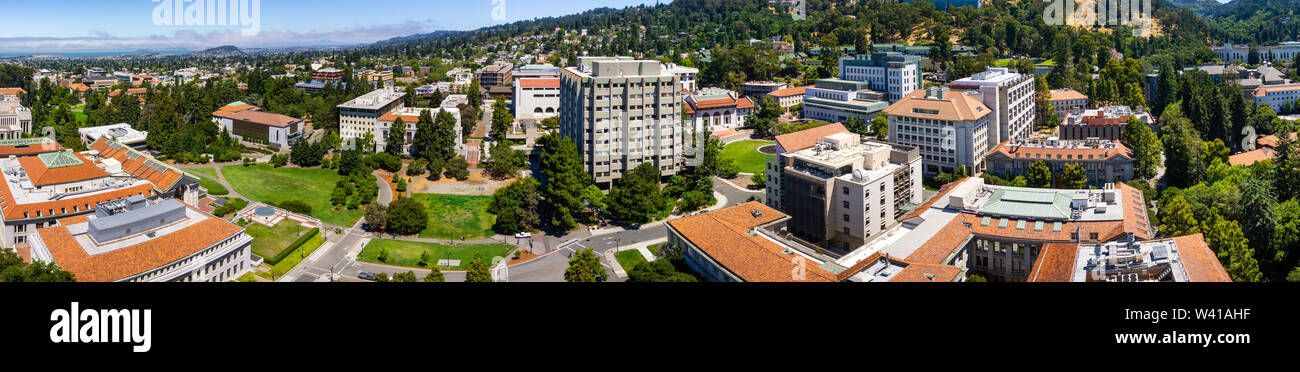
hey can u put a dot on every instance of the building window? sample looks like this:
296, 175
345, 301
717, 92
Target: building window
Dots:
846, 204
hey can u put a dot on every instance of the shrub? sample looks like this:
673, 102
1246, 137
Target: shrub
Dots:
231, 207
296, 206
293, 247
385, 161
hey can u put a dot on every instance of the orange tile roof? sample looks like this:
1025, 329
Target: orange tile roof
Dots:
12, 91
723, 236
137, 165
808, 137
79, 87
955, 106
745, 103
133, 260
1264, 90
1200, 262
1251, 157
259, 117
1055, 263
949, 239
132, 91
234, 109
1066, 95
43, 176
927, 273
24, 150
1064, 153
539, 83
717, 103
795, 91
15, 211
1272, 140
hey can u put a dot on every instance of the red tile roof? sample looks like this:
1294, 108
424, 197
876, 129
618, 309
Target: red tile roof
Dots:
1200, 262
539, 83
1066, 95
12, 91
1251, 157
137, 165
136, 259
24, 150
807, 138
795, 91
43, 176
1055, 263
259, 117
1062, 153
723, 236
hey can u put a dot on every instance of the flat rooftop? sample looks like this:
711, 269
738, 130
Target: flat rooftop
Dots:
374, 100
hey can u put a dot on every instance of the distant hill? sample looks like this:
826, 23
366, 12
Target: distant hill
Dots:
1200, 7
402, 39
221, 51
1256, 21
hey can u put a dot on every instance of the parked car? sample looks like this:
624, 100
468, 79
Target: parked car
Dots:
366, 275
524, 235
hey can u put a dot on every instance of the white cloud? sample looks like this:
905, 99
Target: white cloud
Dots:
191, 39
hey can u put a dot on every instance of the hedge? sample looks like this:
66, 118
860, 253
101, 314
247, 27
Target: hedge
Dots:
293, 247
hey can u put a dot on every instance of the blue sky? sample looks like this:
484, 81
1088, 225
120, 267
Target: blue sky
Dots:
57, 25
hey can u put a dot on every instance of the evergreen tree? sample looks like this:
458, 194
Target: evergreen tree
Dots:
396, 140
426, 139
1176, 218
1261, 220
445, 136
564, 181
1145, 146
435, 275
1184, 164
585, 267
479, 271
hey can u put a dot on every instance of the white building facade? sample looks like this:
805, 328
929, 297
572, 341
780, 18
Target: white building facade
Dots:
622, 112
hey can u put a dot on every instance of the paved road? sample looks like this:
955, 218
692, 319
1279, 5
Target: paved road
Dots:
549, 268
385, 193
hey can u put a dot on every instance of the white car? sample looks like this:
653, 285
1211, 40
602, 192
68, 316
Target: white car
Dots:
524, 235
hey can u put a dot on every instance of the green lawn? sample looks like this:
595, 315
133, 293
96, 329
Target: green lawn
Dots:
746, 156
629, 259
293, 259
214, 188
209, 172
454, 216
79, 116
403, 253
270, 241
264, 183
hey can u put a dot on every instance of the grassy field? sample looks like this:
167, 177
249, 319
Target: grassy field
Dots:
293, 259
629, 259
270, 241
213, 187
264, 183
207, 179
403, 253
209, 172
454, 216
746, 155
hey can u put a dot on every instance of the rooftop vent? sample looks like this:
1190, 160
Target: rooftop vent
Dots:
756, 213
